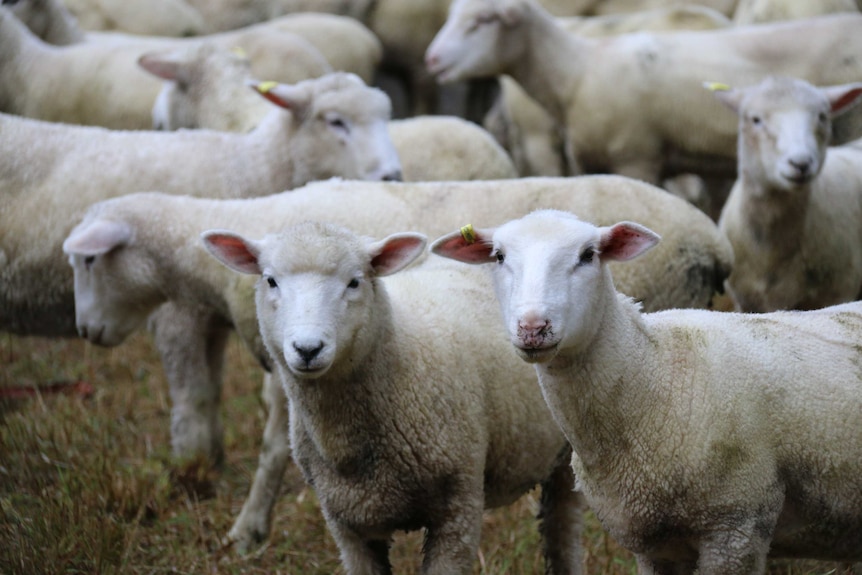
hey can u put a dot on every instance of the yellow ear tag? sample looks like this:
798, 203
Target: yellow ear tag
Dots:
468, 234
237, 50
717, 87
265, 87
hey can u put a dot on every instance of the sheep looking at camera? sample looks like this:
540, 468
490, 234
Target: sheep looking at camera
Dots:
794, 215
402, 347
701, 439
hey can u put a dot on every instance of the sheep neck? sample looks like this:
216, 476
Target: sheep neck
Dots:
774, 216
548, 47
598, 393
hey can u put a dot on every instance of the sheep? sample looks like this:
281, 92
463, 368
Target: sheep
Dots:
636, 113
125, 268
794, 215
213, 94
701, 439
50, 172
161, 18
758, 11
50, 20
102, 84
335, 317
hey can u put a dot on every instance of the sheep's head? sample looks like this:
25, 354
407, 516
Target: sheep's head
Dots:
785, 127
115, 289
478, 39
317, 294
549, 274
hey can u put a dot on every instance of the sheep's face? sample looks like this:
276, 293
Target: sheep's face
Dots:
476, 41
317, 300
115, 289
549, 275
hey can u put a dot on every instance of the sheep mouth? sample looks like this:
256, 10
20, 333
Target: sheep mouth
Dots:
542, 354
308, 371
798, 179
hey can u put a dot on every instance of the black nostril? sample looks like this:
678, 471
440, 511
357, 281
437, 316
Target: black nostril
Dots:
802, 165
395, 176
308, 353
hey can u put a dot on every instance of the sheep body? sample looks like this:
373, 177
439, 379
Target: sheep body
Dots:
643, 127
701, 439
384, 463
759, 11
160, 18
794, 215
215, 95
49, 174
152, 265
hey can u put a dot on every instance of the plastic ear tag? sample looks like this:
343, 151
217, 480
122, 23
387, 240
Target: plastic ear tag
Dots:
237, 50
265, 87
716, 87
468, 234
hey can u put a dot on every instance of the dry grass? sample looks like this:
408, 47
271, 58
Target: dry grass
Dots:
87, 484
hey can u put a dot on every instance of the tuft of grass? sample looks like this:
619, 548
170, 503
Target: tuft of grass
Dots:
88, 485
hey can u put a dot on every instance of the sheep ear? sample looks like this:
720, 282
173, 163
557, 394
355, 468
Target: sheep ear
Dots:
512, 15
728, 96
625, 241
97, 238
843, 97
292, 98
233, 250
467, 245
164, 65
395, 252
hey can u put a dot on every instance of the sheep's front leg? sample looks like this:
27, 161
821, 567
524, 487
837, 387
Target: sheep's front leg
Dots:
191, 342
739, 550
359, 556
254, 521
561, 517
647, 566
451, 546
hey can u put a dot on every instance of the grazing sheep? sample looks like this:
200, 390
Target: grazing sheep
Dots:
385, 461
212, 92
701, 439
125, 267
794, 216
759, 11
642, 113
101, 82
49, 173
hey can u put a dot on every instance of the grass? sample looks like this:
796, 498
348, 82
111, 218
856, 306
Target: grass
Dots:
87, 484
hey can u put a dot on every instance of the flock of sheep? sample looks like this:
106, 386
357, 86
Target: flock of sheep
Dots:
638, 161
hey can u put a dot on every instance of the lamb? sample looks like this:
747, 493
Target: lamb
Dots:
334, 318
701, 439
102, 84
758, 11
210, 90
50, 172
635, 114
794, 215
125, 268
344, 43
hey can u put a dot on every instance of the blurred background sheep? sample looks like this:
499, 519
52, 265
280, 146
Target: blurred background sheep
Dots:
189, 64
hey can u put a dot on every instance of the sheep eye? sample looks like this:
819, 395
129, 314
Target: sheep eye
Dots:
587, 256
271, 282
756, 120
500, 257
337, 123
88, 261
354, 283
822, 117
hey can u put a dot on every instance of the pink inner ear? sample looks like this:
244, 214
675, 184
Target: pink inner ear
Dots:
234, 251
845, 100
161, 68
622, 242
457, 248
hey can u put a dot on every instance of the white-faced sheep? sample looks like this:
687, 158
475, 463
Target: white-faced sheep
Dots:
642, 113
126, 266
209, 89
701, 439
385, 461
49, 174
794, 216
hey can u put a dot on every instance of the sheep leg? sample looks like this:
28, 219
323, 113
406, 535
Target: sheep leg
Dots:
561, 522
191, 343
358, 555
450, 547
647, 566
736, 551
254, 521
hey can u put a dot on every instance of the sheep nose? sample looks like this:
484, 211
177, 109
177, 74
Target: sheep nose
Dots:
801, 164
308, 352
393, 176
533, 333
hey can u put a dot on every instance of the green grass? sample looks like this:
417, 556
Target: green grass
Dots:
87, 484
